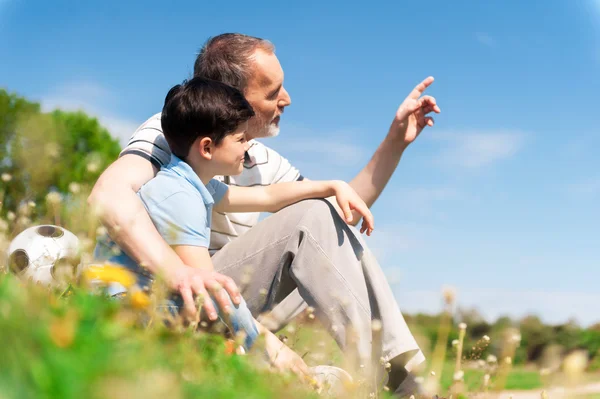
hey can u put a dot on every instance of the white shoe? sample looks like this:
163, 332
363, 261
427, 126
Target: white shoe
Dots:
333, 381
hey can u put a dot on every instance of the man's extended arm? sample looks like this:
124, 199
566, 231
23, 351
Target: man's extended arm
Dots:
409, 121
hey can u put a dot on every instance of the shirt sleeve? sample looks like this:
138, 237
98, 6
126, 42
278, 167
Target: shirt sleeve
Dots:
149, 142
283, 170
217, 189
180, 219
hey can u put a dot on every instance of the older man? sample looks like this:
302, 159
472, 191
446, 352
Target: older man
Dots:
304, 254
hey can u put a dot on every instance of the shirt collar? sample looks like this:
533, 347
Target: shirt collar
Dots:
184, 170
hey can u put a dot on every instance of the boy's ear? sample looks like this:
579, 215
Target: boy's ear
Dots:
205, 147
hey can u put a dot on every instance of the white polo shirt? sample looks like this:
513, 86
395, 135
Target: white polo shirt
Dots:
263, 166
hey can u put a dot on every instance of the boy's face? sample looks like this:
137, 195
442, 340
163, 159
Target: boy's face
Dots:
228, 156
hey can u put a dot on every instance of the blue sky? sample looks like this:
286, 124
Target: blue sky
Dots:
499, 199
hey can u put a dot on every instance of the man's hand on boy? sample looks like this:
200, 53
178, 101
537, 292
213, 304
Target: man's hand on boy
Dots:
193, 283
348, 201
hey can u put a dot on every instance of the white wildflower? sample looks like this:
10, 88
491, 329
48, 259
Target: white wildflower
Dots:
458, 376
53, 198
376, 325
74, 187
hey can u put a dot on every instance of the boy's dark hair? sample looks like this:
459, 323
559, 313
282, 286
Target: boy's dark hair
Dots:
228, 58
202, 108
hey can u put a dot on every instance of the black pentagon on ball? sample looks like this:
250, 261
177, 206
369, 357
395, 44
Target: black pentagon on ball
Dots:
50, 231
18, 261
65, 265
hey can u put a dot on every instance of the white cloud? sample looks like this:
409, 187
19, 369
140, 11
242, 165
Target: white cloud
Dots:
94, 99
484, 39
551, 307
477, 149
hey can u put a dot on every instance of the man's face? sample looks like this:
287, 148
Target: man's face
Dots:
266, 94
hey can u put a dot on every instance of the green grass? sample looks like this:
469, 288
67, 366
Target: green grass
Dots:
83, 345
86, 346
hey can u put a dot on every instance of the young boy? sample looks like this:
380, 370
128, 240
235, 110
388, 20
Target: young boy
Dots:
204, 123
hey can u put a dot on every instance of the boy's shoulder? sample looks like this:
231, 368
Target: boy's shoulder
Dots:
166, 184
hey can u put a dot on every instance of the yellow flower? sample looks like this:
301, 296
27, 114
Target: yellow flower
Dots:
109, 273
139, 299
62, 330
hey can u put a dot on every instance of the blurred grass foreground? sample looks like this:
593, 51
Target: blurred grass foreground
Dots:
71, 343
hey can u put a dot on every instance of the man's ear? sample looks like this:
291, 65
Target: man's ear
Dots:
205, 148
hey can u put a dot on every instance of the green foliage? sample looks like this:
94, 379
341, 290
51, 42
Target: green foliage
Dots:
44, 152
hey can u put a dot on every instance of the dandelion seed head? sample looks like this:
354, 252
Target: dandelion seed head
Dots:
376, 325
6, 177
10, 215
74, 187
93, 167
53, 198
462, 326
101, 231
449, 294
454, 342
486, 338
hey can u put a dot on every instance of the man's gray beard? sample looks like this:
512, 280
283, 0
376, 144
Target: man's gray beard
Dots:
272, 130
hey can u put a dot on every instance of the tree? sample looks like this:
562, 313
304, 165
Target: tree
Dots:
43, 152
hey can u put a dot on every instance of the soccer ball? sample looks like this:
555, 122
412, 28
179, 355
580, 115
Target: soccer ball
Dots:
46, 254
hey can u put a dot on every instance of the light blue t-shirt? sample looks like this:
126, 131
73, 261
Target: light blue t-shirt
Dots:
180, 207
173, 200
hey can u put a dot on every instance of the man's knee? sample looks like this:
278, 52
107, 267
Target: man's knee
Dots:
319, 209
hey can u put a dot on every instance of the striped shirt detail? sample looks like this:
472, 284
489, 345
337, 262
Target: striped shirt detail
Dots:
263, 166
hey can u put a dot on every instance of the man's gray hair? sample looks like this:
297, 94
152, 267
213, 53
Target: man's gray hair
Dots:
227, 58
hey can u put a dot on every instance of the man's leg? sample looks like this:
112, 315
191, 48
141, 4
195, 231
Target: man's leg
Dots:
307, 246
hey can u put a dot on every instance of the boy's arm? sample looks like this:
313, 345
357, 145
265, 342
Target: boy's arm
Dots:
274, 197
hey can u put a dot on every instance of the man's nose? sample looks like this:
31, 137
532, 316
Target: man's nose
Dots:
284, 98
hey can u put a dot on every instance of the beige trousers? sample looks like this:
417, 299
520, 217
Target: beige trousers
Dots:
306, 255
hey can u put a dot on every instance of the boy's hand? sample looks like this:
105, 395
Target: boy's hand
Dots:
190, 282
348, 200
